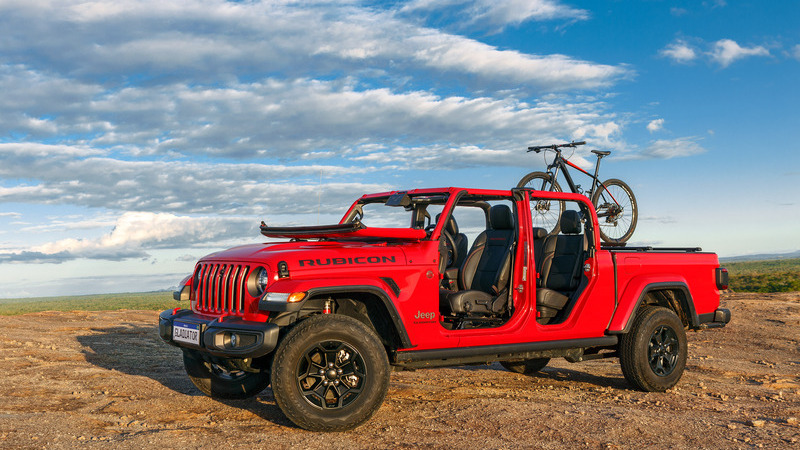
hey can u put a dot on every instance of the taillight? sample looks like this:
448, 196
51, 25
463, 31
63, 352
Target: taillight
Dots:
721, 275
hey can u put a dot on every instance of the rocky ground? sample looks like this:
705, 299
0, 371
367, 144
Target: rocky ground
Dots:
93, 379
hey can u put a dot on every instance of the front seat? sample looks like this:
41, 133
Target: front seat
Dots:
483, 279
460, 239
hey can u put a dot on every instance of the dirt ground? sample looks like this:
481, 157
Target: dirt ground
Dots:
92, 379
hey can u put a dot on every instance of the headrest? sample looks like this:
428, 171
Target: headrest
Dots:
500, 217
570, 222
539, 233
451, 226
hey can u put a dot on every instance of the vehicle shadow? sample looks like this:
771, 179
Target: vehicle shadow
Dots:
575, 376
136, 349
566, 375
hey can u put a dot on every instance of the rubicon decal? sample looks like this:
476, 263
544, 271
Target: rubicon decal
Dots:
346, 261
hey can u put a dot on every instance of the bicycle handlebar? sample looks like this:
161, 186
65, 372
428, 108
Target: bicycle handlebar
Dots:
539, 148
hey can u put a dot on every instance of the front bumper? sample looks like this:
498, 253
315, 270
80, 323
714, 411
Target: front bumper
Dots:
231, 338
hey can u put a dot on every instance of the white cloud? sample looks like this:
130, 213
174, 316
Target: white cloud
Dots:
55, 177
723, 52
135, 233
796, 52
301, 118
213, 39
726, 51
497, 14
655, 125
679, 52
671, 148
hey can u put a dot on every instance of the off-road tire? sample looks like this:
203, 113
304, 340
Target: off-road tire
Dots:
527, 367
217, 382
310, 355
653, 353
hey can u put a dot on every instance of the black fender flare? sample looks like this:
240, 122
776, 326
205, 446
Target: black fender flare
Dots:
405, 342
686, 302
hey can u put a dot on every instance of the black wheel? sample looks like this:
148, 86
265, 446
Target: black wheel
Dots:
526, 367
330, 373
617, 212
218, 381
653, 353
544, 213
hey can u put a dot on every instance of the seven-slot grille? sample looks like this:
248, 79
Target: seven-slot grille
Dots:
221, 288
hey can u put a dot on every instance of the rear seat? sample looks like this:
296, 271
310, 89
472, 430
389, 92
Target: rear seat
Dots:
561, 259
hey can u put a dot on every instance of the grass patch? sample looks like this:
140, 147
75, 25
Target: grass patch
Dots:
101, 302
780, 275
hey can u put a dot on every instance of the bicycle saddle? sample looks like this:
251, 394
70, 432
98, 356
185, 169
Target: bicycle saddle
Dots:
601, 153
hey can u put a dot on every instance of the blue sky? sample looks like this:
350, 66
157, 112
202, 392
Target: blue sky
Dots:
136, 137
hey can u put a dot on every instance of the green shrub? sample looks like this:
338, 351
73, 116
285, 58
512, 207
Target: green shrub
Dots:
782, 275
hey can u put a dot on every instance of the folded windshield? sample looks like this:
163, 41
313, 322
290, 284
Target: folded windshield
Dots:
399, 210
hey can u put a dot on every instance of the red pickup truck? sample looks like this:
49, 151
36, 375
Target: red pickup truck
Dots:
427, 278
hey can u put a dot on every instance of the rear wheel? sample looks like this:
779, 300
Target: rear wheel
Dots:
219, 381
330, 373
544, 213
617, 212
653, 353
527, 366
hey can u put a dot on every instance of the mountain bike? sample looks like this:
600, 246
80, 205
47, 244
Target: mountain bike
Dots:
613, 199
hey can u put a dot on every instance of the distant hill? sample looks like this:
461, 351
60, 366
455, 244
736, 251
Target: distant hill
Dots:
762, 257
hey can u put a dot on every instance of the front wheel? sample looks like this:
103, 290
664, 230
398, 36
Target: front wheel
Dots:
218, 381
545, 213
617, 212
653, 353
330, 373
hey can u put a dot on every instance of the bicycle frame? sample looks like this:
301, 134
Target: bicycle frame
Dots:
559, 163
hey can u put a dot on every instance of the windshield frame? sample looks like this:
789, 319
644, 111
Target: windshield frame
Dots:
448, 197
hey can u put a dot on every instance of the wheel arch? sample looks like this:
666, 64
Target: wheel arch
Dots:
671, 295
372, 306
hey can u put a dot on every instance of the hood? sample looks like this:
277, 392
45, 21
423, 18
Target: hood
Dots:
308, 255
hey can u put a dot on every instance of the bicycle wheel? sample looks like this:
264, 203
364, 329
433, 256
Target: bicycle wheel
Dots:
616, 211
545, 213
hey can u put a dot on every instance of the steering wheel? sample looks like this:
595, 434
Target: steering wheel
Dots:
450, 245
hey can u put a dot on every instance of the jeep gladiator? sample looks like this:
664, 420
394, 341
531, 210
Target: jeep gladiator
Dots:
432, 278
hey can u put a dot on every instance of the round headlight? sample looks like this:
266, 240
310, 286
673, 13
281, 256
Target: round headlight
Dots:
262, 279
257, 281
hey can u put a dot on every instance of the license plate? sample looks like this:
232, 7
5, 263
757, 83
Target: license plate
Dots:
186, 332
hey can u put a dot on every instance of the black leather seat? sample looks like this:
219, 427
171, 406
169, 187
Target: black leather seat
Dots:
539, 235
460, 239
561, 265
483, 278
